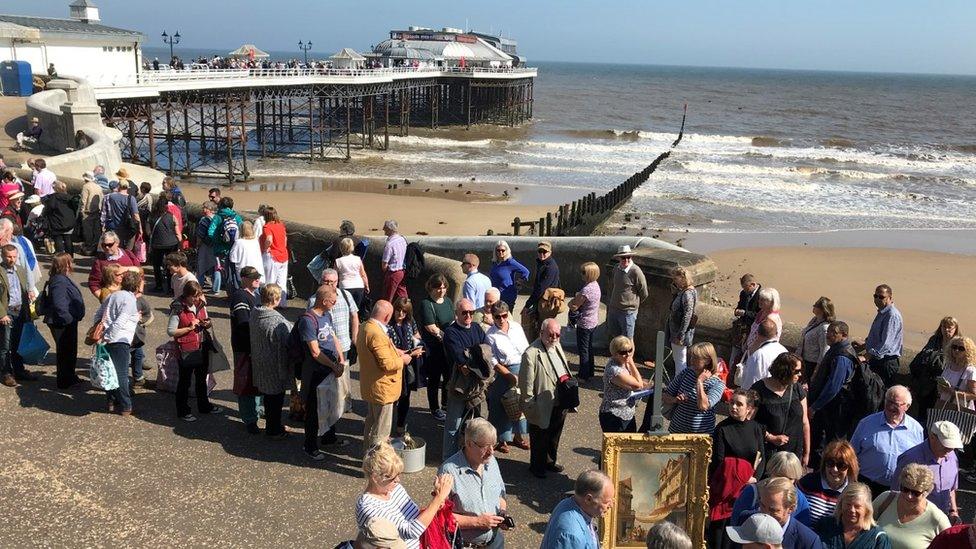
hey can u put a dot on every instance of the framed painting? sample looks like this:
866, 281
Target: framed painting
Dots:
657, 477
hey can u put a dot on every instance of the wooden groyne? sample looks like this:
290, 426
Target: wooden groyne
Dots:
581, 217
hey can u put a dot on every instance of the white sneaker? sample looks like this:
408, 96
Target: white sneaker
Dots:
189, 418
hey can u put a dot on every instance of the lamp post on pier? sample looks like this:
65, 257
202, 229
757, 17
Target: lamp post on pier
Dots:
171, 40
305, 47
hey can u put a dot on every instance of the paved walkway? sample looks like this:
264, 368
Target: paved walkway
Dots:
73, 475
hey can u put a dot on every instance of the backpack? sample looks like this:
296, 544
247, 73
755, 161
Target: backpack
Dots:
866, 391
414, 261
230, 230
361, 247
295, 348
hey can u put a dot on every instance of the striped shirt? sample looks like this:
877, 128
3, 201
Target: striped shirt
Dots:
686, 417
399, 509
822, 498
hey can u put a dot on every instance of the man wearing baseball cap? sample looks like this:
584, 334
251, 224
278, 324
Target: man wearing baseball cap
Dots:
759, 531
938, 453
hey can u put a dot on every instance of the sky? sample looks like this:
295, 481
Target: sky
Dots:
859, 35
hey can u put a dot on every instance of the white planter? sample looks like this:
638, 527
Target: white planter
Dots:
414, 459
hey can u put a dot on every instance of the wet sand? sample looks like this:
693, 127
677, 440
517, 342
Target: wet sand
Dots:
369, 203
928, 282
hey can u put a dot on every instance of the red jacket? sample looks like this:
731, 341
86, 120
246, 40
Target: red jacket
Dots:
127, 259
441, 531
191, 341
723, 488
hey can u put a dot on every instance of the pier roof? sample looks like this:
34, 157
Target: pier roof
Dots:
52, 25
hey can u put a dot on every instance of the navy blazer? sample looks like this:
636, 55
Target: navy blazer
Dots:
66, 305
799, 536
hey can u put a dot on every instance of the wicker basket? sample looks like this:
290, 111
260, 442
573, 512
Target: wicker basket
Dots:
512, 404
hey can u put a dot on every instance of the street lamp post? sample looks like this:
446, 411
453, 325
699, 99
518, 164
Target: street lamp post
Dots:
305, 47
171, 40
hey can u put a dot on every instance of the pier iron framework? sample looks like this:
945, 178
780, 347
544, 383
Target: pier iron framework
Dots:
214, 131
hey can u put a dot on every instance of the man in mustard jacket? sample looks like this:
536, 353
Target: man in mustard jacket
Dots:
380, 370
543, 367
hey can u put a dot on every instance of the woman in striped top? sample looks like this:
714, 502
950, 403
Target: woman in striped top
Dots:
695, 392
823, 488
385, 497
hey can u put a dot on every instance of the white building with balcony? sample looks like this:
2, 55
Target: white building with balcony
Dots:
77, 46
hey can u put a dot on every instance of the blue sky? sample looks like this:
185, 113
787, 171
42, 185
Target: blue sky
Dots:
859, 35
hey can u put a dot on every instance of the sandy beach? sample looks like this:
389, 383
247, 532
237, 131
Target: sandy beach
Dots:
928, 285
369, 203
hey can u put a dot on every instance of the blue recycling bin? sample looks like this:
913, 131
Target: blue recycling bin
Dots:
16, 78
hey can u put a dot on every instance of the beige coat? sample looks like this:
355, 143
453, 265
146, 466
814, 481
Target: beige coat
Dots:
537, 383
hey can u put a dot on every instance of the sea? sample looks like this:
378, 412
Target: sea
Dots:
768, 150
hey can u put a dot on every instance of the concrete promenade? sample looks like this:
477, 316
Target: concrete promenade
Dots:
72, 475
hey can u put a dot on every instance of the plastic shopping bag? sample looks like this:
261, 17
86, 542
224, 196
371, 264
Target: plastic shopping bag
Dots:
33, 347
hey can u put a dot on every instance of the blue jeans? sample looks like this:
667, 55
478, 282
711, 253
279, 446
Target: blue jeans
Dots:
216, 277
452, 425
621, 322
120, 359
496, 411
248, 407
584, 346
138, 355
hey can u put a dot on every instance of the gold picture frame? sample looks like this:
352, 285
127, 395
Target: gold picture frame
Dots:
657, 477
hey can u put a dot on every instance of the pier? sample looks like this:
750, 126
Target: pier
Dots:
211, 122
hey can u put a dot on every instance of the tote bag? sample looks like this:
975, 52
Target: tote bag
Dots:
102, 372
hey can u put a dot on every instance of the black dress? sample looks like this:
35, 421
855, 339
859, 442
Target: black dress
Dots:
781, 415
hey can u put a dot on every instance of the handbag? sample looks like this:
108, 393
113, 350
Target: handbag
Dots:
955, 412
511, 402
567, 391
95, 334
243, 380
102, 371
216, 358
33, 347
139, 248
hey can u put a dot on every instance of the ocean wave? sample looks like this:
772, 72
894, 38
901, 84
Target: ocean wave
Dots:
418, 141
838, 143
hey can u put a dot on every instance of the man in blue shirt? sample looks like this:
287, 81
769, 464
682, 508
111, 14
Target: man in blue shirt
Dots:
830, 412
477, 283
573, 522
883, 436
479, 491
884, 341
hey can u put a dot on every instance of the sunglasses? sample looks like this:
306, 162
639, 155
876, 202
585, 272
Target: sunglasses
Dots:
625, 352
500, 250
502, 316
878, 296
467, 313
958, 348
909, 492
798, 371
108, 244
834, 464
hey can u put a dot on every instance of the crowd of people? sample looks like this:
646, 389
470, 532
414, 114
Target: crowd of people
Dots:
826, 445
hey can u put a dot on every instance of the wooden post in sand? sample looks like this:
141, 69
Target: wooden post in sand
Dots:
516, 226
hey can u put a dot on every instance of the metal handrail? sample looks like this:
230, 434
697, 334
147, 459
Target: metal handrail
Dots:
151, 77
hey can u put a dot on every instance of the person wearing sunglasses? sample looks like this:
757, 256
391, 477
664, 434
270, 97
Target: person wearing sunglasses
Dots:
823, 487
620, 378
110, 251
463, 334
508, 343
906, 516
938, 453
958, 384
783, 408
507, 273
884, 342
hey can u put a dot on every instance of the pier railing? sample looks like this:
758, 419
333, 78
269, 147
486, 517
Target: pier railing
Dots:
581, 217
151, 77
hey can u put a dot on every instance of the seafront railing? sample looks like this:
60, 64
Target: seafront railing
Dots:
581, 217
151, 77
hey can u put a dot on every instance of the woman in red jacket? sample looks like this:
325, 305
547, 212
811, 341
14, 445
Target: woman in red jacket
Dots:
188, 325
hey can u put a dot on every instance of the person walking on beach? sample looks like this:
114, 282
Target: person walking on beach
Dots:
393, 262
476, 283
628, 290
884, 342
